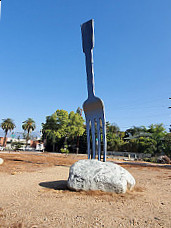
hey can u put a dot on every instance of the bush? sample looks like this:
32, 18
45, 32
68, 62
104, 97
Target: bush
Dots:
152, 159
16, 145
64, 150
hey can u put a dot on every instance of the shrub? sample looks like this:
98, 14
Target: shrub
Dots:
152, 159
64, 150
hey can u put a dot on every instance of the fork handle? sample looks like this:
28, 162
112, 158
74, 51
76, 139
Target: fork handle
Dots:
90, 72
87, 30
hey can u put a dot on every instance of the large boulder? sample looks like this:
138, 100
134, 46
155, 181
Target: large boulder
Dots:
96, 175
1, 161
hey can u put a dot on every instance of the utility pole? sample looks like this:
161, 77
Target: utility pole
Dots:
170, 125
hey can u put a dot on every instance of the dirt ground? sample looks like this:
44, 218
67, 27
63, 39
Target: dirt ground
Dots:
33, 194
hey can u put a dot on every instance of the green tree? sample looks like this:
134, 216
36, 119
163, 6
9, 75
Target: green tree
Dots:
79, 111
113, 128
158, 133
83, 142
7, 125
146, 140
60, 126
133, 145
140, 144
136, 131
114, 137
113, 142
28, 126
167, 144
76, 126
146, 145
55, 128
48, 130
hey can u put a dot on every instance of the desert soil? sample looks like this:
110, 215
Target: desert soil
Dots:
33, 193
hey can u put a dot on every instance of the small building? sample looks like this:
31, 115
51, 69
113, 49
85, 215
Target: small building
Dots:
32, 145
37, 145
2, 141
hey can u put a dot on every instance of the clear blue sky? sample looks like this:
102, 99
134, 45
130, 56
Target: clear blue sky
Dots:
42, 65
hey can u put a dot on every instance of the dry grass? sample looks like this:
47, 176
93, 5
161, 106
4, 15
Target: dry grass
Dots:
25, 162
33, 194
30, 162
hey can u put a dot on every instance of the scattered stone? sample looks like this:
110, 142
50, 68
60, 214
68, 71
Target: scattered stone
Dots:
164, 160
1, 161
96, 175
156, 218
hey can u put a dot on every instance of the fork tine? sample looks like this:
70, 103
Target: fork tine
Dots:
88, 137
104, 138
93, 138
99, 139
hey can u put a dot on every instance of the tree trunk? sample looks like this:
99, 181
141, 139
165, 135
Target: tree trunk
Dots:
53, 147
77, 149
27, 138
4, 142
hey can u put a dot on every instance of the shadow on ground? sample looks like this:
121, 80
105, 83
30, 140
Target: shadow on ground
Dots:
56, 185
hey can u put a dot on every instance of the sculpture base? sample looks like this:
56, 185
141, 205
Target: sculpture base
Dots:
96, 175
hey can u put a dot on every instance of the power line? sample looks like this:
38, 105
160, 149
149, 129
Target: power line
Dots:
169, 98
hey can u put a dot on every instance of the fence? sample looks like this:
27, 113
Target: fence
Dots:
128, 154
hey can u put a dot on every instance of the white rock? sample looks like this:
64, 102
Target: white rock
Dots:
96, 175
1, 161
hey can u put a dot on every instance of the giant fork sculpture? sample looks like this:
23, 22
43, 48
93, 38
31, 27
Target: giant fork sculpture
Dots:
93, 106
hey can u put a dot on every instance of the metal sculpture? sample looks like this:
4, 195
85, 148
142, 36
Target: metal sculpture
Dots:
93, 106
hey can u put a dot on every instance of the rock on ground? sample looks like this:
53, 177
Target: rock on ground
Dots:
96, 175
1, 161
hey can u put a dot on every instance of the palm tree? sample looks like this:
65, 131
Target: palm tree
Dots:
29, 126
7, 125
